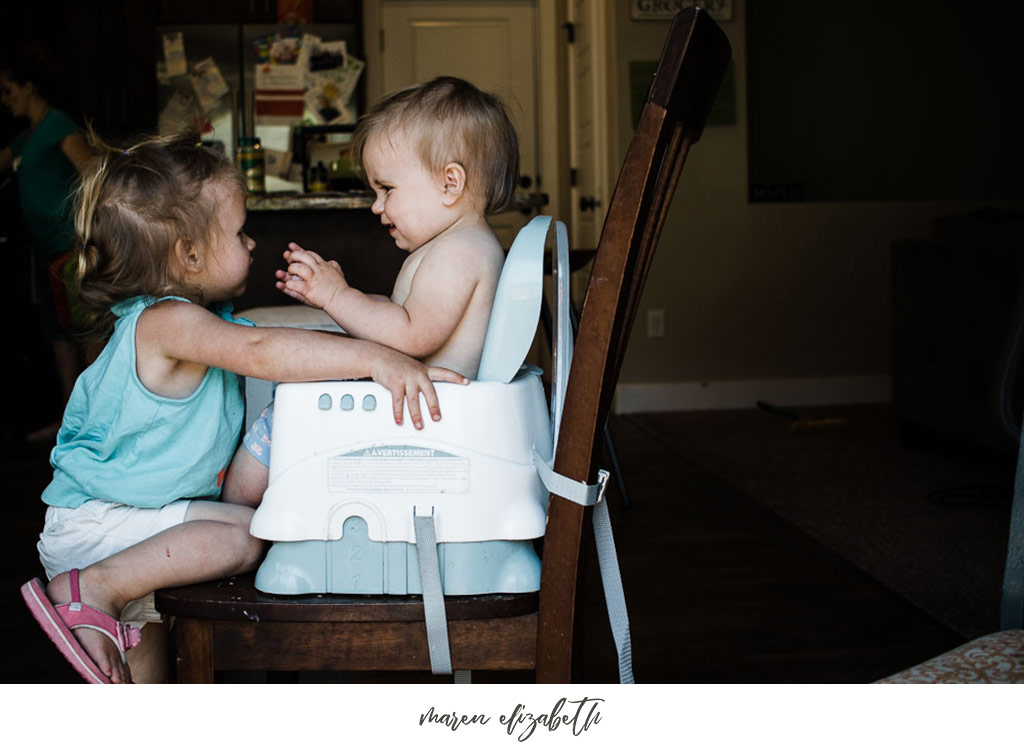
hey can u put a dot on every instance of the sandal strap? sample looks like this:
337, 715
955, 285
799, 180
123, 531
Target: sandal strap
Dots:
76, 595
77, 614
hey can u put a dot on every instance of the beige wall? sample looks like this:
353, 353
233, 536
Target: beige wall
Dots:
761, 295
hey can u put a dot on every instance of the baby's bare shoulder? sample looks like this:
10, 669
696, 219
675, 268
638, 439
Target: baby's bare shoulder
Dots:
474, 247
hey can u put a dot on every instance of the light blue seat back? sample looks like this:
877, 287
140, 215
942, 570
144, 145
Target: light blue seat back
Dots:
517, 302
516, 311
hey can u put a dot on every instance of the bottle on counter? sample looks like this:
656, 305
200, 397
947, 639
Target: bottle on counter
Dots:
318, 178
250, 160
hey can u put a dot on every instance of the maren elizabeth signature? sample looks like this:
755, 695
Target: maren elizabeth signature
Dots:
577, 716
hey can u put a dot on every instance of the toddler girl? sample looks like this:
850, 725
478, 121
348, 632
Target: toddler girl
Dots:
152, 425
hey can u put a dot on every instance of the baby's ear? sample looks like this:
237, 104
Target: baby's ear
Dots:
454, 182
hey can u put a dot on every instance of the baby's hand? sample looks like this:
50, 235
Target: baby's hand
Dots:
406, 379
310, 278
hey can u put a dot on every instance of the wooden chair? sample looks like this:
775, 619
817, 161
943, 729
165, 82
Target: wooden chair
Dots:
229, 625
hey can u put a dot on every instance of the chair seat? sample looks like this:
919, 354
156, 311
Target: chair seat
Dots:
994, 658
238, 599
229, 625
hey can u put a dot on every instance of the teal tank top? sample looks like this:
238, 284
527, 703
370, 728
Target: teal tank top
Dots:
122, 443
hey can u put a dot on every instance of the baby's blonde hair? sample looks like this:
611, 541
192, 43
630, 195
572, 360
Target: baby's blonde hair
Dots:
132, 207
450, 120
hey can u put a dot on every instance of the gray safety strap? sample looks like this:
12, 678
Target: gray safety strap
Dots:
433, 596
580, 493
611, 580
592, 495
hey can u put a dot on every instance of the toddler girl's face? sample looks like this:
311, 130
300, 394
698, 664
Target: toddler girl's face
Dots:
408, 195
227, 260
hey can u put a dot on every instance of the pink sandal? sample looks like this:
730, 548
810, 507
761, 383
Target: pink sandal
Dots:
59, 621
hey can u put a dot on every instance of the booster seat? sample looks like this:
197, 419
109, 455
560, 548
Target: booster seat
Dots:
348, 487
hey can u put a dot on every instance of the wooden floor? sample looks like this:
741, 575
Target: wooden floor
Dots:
719, 589
723, 590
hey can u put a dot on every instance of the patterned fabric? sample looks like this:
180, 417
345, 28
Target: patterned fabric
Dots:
257, 439
995, 658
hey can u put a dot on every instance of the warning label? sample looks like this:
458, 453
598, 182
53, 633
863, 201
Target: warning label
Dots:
398, 468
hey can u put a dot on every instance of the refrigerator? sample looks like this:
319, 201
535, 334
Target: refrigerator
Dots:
299, 89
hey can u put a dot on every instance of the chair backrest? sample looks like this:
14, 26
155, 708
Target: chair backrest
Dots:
692, 65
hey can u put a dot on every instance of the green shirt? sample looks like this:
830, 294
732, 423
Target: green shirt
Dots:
45, 180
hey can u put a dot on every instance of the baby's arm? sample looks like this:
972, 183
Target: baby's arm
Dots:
323, 279
439, 296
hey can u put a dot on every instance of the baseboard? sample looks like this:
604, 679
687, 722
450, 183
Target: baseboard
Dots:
647, 397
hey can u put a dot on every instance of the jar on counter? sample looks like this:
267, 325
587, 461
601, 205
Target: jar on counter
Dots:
251, 162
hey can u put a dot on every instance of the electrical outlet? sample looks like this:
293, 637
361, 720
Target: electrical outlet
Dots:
655, 323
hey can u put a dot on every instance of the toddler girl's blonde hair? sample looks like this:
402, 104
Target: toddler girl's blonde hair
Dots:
451, 120
133, 206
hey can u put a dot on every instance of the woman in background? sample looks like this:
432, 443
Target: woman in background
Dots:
46, 158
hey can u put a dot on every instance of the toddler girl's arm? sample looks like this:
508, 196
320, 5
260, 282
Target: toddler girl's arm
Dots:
439, 296
177, 341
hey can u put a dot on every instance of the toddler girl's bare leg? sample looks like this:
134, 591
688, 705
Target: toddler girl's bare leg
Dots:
246, 480
213, 541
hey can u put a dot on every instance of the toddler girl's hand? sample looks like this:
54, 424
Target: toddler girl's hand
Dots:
310, 278
406, 379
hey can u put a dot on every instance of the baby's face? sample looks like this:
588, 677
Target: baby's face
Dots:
409, 198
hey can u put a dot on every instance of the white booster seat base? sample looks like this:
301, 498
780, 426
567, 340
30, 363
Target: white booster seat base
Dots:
337, 452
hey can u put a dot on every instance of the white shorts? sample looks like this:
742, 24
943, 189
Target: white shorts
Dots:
79, 537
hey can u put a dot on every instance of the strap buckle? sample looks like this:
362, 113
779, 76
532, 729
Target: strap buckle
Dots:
577, 492
603, 475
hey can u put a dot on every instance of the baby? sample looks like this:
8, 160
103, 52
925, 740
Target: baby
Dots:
439, 156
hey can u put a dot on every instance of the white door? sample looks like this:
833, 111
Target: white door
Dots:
491, 44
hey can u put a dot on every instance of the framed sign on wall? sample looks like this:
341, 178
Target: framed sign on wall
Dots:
657, 10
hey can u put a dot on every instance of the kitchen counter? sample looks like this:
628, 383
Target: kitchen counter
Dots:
332, 200
325, 201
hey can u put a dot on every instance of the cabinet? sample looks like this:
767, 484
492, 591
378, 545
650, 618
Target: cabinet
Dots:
353, 236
